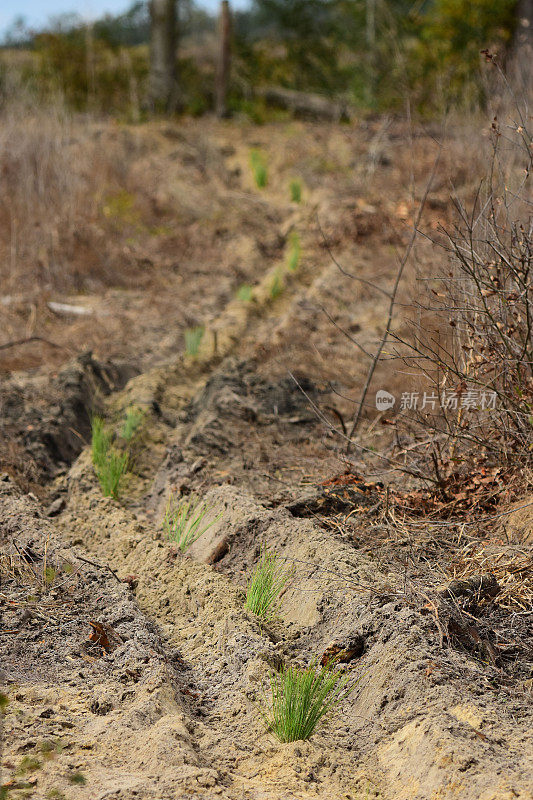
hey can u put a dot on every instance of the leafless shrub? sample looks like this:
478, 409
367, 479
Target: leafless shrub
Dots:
472, 345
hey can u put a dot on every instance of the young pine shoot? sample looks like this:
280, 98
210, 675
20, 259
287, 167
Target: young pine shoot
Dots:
276, 287
295, 188
100, 441
259, 168
293, 258
268, 580
185, 520
193, 339
110, 464
132, 422
111, 471
245, 293
300, 698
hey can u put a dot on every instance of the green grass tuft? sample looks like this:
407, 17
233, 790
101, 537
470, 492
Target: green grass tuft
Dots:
77, 778
184, 520
245, 293
132, 423
295, 188
268, 580
193, 339
259, 168
295, 251
101, 440
300, 698
276, 287
110, 465
111, 472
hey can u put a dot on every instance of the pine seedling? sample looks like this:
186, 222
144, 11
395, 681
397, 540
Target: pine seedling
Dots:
111, 471
276, 287
268, 580
244, 293
132, 423
109, 463
295, 251
193, 339
259, 169
100, 441
300, 698
295, 188
184, 521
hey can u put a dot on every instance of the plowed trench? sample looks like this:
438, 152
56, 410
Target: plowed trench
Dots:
164, 703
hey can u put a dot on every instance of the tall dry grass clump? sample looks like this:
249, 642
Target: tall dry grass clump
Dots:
41, 188
56, 171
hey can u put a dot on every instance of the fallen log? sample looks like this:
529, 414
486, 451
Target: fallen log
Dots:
306, 104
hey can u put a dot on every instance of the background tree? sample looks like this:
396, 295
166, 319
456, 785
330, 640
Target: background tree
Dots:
292, 43
224, 60
163, 80
524, 23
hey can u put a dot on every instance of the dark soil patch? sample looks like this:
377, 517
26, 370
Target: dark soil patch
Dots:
46, 422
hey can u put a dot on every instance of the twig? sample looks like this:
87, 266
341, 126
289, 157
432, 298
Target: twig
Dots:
443, 523
341, 268
345, 332
326, 421
349, 581
98, 566
392, 296
16, 342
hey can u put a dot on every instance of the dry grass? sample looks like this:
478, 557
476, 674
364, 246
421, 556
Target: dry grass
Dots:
43, 189
69, 199
75, 217
434, 553
107, 209
30, 579
511, 565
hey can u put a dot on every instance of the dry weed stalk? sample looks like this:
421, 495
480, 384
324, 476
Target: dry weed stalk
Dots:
32, 581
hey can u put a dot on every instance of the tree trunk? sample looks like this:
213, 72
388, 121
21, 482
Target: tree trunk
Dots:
524, 24
305, 105
224, 60
163, 83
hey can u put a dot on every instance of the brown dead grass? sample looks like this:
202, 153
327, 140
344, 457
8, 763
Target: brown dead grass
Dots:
152, 228
511, 565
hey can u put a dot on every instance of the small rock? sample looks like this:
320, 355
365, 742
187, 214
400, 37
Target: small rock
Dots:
56, 507
344, 649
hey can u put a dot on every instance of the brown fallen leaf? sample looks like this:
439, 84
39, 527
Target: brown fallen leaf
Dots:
104, 636
99, 636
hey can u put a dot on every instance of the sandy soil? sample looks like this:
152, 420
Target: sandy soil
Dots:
133, 671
